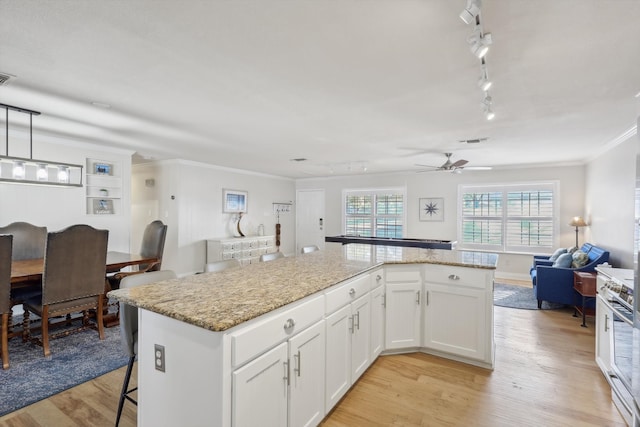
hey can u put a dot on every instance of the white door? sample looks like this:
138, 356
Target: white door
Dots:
361, 336
310, 219
338, 356
455, 321
402, 315
260, 391
306, 395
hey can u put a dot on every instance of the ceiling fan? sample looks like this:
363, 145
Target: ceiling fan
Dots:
454, 167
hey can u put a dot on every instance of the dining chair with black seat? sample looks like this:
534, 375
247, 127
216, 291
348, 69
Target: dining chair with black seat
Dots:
226, 264
72, 280
28, 243
28, 240
153, 239
271, 257
6, 242
309, 249
129, 329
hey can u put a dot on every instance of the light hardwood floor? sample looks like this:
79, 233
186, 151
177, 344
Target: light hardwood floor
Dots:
545, 375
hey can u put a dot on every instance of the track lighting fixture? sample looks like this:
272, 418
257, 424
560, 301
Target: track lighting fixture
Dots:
479, 43
468, 15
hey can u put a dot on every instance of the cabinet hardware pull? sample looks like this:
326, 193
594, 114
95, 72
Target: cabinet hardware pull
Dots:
357, 325
606, 322
352, 324
454, 277
378, 278
289, 324
384, 300
297, 368
427, 299
352, 292
286, 372
418, 297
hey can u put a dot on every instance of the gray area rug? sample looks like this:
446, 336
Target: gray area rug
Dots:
74, 359
519, 297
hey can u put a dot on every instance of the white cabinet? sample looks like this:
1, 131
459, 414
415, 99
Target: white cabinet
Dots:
377, 314
246, 250
604, 335
403, 312
458, 313
348, 348
260, 390
306, 376
280, 387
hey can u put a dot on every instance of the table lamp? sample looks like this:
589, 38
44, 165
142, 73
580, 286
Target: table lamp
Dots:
577, 222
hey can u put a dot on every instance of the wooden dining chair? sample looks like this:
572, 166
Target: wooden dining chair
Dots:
6, 242
129, 329
153, 239
214, 266
271, 257
72, 281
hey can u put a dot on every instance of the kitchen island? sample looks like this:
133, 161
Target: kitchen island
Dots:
280, 343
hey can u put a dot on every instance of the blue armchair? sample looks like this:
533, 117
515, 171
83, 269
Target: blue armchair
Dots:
555, 284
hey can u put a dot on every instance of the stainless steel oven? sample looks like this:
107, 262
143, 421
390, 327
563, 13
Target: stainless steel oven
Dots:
615, 357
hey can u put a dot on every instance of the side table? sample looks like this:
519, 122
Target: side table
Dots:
585, 284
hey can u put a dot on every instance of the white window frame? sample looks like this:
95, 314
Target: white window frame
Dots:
504, 189
375, 191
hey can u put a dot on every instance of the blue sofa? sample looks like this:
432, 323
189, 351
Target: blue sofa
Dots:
555, 284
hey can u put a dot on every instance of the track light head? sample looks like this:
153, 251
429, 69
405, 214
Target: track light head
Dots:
486, 107
484, 83
468, 15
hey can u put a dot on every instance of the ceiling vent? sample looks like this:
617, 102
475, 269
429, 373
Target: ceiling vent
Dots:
472, 141
5, 78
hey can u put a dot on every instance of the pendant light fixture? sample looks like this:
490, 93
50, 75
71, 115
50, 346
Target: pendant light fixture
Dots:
21, 170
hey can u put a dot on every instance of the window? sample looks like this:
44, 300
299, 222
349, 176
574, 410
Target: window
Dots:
510, 218
374, 213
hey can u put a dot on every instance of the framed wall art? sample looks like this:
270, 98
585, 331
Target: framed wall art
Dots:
234, 201
431, 209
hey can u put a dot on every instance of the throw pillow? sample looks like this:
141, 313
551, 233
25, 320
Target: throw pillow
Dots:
580, 259
557, 253
563, 261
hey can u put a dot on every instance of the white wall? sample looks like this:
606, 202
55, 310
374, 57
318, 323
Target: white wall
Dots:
60, 207
445, 185
610, 199
195, 212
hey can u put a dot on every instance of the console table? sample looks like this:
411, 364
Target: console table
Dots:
585, 284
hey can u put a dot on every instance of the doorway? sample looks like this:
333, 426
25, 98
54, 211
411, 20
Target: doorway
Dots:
310, 218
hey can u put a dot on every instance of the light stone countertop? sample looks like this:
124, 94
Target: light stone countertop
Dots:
219, 301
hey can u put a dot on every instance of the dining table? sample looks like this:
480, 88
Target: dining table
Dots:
28, 272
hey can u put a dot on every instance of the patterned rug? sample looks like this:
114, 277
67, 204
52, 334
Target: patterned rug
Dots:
74, 359
519, 297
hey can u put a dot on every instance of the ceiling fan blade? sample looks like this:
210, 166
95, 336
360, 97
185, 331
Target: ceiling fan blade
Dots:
459, 163
478, 168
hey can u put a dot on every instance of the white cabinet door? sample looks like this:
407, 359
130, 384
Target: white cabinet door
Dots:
338, 356
259, 395
402, 315
456, 321
306, 394
604, 336
377, 321
360, 336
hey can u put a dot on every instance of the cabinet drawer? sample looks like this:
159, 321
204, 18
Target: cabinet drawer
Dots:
403, 274
340, 295
256, 338
479, 278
